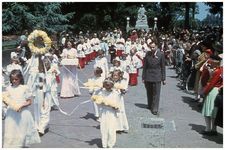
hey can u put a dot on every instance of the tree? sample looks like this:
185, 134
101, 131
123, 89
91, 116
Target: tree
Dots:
88, 22
167, 13
18, 16
195, 10
93, 16
187, 8
14, 16
216, 8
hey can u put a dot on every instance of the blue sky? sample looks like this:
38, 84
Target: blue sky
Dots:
202, 11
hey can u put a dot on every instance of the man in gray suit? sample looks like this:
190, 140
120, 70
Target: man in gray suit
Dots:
153, 74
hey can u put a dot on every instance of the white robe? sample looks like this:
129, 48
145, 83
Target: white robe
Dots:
102, 62
81, 48
121, 121
70, 86
133, 64
108, 117
96, 90
20, 130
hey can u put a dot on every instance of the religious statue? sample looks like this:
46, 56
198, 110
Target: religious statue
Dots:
141, 14
142, 22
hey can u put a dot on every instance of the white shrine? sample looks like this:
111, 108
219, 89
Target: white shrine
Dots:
142, 22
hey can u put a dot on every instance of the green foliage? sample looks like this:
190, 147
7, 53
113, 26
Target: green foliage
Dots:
82, 16
22, 15
88, 22
215, 7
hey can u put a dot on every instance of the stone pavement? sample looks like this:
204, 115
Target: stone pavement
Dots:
176, 126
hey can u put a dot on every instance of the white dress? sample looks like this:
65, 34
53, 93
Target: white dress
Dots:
99, 81
70, 86
128, 47
20, 130
121, 121
102, 62
108, 119
125, 74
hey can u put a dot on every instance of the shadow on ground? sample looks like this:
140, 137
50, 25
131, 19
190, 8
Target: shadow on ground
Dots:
217, 139
193, 105
97, 142
89, 116
141, 105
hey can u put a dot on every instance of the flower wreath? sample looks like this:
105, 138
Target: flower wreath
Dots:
99, 99
10, 103
47, 41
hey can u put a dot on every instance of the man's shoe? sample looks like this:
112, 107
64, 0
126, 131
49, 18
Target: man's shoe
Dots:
154, 113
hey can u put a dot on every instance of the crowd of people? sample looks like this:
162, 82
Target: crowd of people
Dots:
198, 53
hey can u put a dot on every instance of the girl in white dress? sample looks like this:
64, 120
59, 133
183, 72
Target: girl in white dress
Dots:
108, 114
121, 87
101, 62
97, 80
20, 130
117, 65
70, 86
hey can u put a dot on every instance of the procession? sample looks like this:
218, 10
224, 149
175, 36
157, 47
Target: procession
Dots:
110, 81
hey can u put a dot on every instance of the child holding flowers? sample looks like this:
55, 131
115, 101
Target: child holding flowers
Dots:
108, 101
121, 87
20, 129
94, 87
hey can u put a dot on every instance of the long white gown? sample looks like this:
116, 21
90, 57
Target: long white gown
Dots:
108, 117
96, 90
20, 130
70, 86
121, 121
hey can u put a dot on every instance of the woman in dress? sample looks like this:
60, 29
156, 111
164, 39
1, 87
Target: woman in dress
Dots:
20, 130
70, 86
209, 95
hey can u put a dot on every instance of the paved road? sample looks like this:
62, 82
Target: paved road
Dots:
176, 126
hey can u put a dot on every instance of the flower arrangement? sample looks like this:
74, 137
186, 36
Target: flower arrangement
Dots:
46, 39
91, 85
99, 99
6, 99
117, 86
